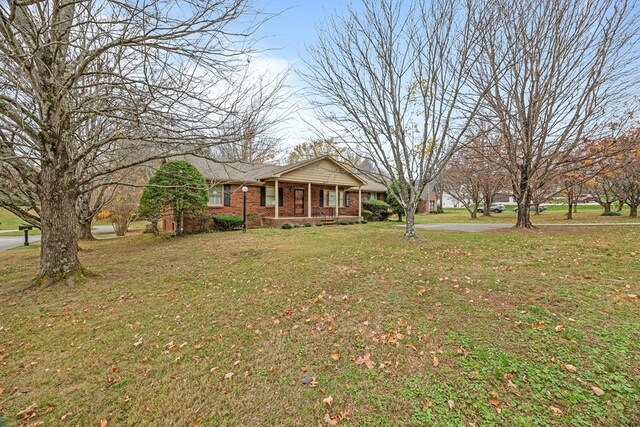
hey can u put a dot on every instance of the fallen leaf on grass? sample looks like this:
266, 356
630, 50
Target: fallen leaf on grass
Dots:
138, 343
366, 360
452, 404
597, 391
335, 355
555, 411
331, 420
537, 325
421, 291
1, 390
103, 422
430, 317
411, 346
65, 416
27, 346
28, 412
435, 362
559, 328
328, 400
494, 401
228, 375
570, 368
36, 424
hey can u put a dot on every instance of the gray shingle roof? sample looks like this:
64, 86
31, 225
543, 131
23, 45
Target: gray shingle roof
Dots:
248, 173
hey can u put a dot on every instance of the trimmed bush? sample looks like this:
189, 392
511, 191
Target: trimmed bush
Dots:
307, 224
380, 210
611, 213
364, 221
286, 226
227, 222
367, 214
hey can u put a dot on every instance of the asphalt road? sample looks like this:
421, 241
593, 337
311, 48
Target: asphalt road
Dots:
17, 241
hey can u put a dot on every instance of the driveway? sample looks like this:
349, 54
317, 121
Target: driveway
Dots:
476, 228
101, 232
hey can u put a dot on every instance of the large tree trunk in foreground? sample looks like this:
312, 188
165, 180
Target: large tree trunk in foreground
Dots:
570, 211
633, 213
59, 244
410, 230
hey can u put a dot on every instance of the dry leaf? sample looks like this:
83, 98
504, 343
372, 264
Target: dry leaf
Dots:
27, 346
1, 390
435, 362
103, 422
36, 424
559, 328
556, 411
421, 291
28, 412
328, 400
597, 391
228, 375
430, 317
537, 325
65, 416
570, 368
411, 346
452, 404
138, 343
331, 420
494, 401
335, 355
366, 359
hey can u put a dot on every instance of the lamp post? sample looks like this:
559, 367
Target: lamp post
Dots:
244, 208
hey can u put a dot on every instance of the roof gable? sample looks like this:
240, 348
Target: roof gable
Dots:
322, 170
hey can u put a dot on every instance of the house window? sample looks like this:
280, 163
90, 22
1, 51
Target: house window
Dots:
372, 196
432, 204
215, 195
270, 196
329, 198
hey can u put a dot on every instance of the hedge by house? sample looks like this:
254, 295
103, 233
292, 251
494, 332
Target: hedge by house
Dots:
228, 222
380, 210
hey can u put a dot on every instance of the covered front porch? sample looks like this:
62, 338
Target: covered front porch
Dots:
313, 192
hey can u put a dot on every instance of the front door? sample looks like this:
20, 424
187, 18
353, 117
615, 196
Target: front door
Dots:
298, 201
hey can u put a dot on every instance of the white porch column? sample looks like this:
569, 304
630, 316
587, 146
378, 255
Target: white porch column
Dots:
309, 200
360, 202
337, 202
277, 201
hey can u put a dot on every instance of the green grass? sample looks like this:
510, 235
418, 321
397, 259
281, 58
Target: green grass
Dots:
503, 312
9, 221
556, 214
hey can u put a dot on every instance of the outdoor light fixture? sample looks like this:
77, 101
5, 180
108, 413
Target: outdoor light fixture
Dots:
244, 208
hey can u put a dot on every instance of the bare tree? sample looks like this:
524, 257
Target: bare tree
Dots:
177, 79
627, 178
554, 67
391, 83
461, 181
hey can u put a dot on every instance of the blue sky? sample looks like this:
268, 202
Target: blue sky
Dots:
295, 26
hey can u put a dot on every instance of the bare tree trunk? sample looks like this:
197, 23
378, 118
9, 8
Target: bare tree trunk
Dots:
570, 212
410, 230
488, 201
85, 219
633, 212
575, 208
606, 206
474, 214
59, 244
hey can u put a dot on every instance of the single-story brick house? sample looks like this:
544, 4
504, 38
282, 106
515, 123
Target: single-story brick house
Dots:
299, 193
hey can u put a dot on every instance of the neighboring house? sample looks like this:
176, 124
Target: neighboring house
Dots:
317, 190
428, 199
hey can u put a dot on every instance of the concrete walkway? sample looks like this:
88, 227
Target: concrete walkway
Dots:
477, 228
100, 231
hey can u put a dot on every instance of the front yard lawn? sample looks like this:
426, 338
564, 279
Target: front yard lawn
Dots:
498, 328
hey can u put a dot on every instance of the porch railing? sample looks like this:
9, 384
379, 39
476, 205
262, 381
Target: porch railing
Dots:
324, 213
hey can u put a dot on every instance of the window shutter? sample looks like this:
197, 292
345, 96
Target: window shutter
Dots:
346, 199
227, 194
281, 196
321, 198
263, 196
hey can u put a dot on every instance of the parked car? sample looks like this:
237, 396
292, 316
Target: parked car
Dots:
495, 208
541, 208
586, 198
